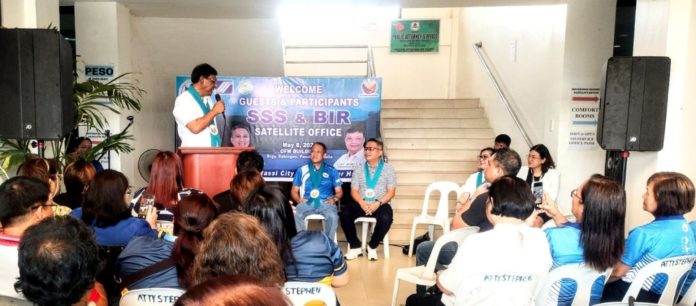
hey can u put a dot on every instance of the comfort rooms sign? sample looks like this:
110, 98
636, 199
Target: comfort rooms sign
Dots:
415, 36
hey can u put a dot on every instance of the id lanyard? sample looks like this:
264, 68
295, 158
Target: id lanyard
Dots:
315, 175
371, 182
214, 135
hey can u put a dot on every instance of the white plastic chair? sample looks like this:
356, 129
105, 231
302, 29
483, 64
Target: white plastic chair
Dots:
441, 216
674, 267
629, 304
425, 275
689, 298
151, 297
323, 224
371, 222
583, 276
300, 293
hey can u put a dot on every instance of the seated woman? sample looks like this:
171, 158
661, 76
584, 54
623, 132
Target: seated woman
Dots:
76, 177
193, 214
46, 171
309, 256
166, 184
237, 244
105, 209
476, 179
240, 186
233, 291
668, 196
599, 206
501, 266
23, 203
79, 148
542, 177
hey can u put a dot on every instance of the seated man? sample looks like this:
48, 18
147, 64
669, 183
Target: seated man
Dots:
503, 266
372, 187
317, 188
23, 202
58, 262
472, 211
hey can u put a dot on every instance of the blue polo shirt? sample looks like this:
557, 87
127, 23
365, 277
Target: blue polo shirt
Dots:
665, 237
316, 258
566, 248
329, 181
692, 275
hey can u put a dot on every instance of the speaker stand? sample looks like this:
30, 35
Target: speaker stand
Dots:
615, 165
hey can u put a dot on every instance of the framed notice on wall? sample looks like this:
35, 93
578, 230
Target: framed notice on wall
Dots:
415, 36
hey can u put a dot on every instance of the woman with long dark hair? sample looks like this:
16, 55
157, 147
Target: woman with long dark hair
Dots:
105, 209
193, 214
166, 184
309, 256
668, 196
541, 169
596, 238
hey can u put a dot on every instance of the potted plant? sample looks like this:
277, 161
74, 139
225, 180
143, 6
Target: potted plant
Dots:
92, 101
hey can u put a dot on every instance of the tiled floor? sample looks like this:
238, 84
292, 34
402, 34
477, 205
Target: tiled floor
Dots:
371, 282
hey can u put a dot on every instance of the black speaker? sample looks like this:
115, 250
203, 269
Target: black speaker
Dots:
633, 107
35, 84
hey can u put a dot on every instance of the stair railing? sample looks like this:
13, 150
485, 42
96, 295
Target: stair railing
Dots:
501, 93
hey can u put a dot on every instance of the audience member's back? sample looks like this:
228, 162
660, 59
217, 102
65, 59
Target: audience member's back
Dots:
505, 265
191, 216
237, 244
58, 262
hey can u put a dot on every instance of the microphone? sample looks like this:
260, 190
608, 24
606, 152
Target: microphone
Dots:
224, 118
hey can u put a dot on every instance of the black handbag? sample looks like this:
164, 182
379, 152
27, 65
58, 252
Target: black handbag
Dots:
418, 240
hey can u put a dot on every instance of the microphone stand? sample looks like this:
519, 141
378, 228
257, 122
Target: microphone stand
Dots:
108, 136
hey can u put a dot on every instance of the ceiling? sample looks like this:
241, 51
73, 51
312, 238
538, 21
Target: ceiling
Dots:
248, 9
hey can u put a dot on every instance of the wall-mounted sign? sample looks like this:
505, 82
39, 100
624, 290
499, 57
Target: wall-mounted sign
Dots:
101, 73
584, 108
415, 36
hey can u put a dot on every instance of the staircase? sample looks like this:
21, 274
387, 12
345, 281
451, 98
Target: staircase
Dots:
426, 141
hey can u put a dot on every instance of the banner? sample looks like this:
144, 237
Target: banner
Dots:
415, 36
282, 117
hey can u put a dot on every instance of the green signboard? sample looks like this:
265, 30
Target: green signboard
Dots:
415, 36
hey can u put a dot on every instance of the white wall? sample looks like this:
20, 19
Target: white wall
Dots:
162, 48
666, 28
30, 14
404, 75
525, 47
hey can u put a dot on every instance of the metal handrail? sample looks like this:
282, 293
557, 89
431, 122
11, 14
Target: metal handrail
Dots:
369, 60
501, 94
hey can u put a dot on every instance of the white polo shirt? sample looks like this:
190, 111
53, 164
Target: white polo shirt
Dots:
494, 267
186, 109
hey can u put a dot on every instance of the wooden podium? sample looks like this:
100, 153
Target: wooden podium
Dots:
210, 169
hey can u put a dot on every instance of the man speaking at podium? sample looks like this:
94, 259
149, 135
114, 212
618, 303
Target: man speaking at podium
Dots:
195, 112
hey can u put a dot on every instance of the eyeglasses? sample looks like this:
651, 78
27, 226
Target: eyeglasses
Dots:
483, 156
44, 205
574, 193
212, 79
370, 149
533, 157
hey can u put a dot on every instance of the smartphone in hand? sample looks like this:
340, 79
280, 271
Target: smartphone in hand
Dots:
538, 191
